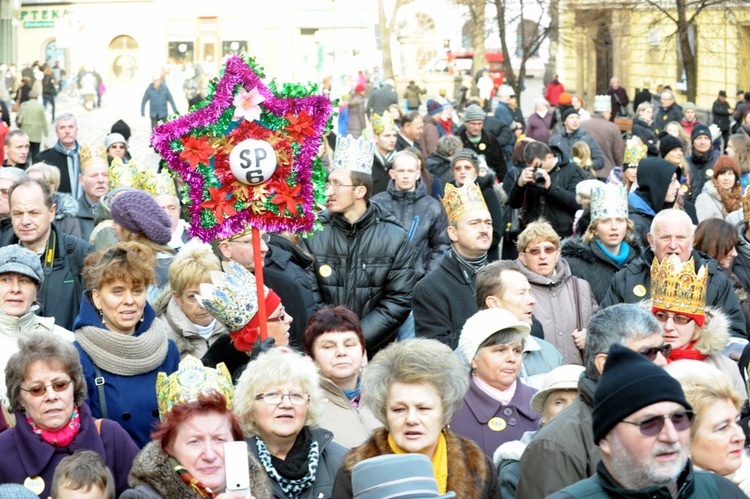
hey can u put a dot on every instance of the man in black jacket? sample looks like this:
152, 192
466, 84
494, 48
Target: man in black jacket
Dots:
668, 111
722, 112
475, 137
65, 154
545, 188
32, 211
672, 234
363, 258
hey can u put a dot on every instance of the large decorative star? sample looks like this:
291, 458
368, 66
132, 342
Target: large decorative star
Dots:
197, 146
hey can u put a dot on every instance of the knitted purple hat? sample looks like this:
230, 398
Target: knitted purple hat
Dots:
138, 212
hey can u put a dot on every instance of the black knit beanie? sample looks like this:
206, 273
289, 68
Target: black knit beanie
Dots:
669, 143
629, 383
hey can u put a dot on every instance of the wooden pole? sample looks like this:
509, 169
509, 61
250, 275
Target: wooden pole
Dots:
260, 290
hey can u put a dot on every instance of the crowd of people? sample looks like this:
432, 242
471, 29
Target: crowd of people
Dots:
535, 306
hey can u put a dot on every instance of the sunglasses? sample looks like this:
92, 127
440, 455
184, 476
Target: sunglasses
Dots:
279, 318
548, 250
653, 426
651, 353
58, 386
680, 320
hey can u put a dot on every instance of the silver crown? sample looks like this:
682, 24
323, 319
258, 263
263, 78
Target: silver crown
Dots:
609, 201
354, 154
602, 103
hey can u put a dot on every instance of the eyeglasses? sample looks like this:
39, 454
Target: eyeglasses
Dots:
265, 238
548, 250
279, 318
58, 386
652, 426
335, 185
652, 352
275, 398
680, 320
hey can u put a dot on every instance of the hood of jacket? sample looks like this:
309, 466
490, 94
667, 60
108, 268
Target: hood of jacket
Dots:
654, 176
66, 205
298, 255
89, 316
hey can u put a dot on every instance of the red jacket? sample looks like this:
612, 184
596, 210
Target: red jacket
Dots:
552, 94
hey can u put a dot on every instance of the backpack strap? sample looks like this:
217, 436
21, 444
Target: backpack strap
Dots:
99, 382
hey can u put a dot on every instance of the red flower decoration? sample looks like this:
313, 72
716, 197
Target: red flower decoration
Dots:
299, 126
196, 150
221, 203
286, 197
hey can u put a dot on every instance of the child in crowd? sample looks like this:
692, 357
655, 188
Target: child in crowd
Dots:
582, 157
83, 475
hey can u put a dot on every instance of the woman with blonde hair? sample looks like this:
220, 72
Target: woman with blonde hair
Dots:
716, 439
581, 155
675, 129
738, 148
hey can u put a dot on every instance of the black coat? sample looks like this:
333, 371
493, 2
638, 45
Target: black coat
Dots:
663, 116
443, 300
557, 205
490, 149
643, 131
380, 176
53, 157
699, 164
588, 261
440, 166
633, 284
720, 110
367, 266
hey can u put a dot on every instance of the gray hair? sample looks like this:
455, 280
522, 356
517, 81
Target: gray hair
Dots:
540, 101
670, 94
643, 106
11, 173
412, 362
448, 145
672, 215
489, 281
66, 117
621, 323
48, 348
278, 366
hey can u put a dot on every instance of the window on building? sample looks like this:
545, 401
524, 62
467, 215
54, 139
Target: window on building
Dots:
181, 52
231, 47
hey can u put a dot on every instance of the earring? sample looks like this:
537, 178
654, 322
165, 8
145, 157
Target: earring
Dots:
142, 318
101, 316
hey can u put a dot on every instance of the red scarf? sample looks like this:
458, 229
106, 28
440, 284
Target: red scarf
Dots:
689, 352
446, 124
62, 437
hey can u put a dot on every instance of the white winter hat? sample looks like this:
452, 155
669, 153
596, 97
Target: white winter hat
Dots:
484, 324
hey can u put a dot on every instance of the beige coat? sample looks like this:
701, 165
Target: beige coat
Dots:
351, 426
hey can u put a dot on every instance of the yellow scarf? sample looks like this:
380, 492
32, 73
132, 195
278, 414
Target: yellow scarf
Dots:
439, 461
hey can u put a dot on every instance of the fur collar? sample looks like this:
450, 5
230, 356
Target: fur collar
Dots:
151, 469
715, 333
66, 205
468, 470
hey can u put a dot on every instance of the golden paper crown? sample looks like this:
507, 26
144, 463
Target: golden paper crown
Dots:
676, 287
383, 123
746, 206
123, 174
459, 201
635, 150
609, 201
92, 155
191, 380
157, 184
354, 154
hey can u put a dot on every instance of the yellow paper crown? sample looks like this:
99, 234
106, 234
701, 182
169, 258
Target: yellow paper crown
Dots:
459, 201
746, 206
191, 380
676, 287
92, 155
383, 123
123, 174
157, 184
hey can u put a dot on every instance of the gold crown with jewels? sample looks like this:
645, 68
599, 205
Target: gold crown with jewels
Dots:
123, 174
460, 200
157, 184
354, 154
609, 201
746, 206
635, 150
92, 155
676, 287
383, 123
189, 381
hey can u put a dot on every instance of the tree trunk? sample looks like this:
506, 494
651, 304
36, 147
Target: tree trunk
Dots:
479, 59
689, 61
385, 41
554, 36
510, 75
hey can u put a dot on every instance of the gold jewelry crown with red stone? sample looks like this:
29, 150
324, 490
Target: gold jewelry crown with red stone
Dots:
92, 155
676, 287
383, 123
459, 201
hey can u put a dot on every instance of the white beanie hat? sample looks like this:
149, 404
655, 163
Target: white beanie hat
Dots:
484, 324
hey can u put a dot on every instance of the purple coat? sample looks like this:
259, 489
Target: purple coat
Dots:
539, 128
26, 455
513, 420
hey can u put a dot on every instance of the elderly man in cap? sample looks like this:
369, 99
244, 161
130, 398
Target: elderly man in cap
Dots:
563, 451
475, 137
572, 133
641, 423
606, 134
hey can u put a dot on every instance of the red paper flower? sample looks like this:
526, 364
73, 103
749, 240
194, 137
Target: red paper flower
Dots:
299, 126
196, 150
286, 197
221, 202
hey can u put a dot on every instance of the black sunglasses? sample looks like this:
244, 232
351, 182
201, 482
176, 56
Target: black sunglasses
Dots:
653, 426
652, 352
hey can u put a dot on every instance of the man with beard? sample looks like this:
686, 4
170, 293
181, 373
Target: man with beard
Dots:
444, 299
641, 422
384, 130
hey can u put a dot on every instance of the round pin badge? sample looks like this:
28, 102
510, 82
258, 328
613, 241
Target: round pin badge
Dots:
639, 291
497, 424
482, 147
34, 484
325, 271
709, 173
